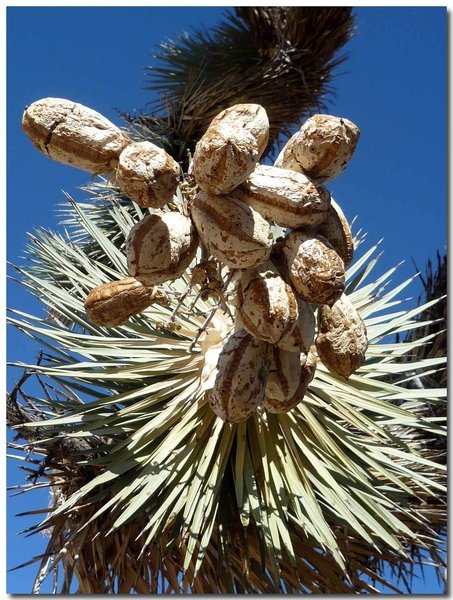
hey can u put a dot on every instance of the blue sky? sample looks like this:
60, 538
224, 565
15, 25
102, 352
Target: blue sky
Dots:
393, 85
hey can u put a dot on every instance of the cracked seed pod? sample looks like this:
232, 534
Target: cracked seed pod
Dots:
74, 134
336, 230
288, 198
301, 336
315, 269
342, 341
279, 403
231, 230
266, 304
111, 304
241, 377
251, 117
224, 158
147, 174
160, 247
321, 148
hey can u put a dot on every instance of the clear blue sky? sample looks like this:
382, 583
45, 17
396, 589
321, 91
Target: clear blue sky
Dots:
393, 85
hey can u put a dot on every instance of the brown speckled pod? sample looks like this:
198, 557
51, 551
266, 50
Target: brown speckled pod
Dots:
147, 174
336, 230
241, 377
231, 230
315, 269
282, 404
266, 304
321, 149
342, 341
251, 117
288, 198
111, 304
74, 134
301, 336
224, 158
160, 247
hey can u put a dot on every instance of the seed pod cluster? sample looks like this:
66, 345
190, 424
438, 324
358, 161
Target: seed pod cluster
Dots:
231, 204
277, 286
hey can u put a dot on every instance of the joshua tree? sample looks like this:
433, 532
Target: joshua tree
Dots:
150, 491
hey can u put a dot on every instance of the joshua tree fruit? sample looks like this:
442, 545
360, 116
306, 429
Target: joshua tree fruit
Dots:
224, 158
342, 340
321, 148
231, 230
160, 247
267, 305
241, 377
285, 197
251, 117
111, 304
74, 134
315, 269
147, 174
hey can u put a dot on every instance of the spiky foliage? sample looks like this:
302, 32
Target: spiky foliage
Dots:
279, 57
434, 281
151, 492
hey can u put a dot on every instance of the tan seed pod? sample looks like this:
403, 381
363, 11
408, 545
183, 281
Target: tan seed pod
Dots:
321, 148
111, 304
315, 269
147, 174
74, 134
231, 230
252, 117
336, 230
267, 305
224, 158
284, 374
160, 247
342, 341
285, 197
275, 403
301, 336
241, 377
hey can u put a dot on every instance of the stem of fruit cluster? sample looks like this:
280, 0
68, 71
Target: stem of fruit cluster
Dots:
204, 326
180, 301
192, 306
221, 304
